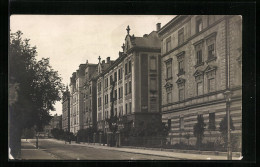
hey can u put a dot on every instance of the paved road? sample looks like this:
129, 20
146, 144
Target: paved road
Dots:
73, 152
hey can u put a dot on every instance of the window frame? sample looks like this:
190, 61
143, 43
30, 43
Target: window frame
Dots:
181, 36
168, 44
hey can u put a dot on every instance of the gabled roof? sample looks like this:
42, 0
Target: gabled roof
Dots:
150, 41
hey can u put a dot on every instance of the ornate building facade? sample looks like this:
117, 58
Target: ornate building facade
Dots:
136, 74
66, 110
200, 61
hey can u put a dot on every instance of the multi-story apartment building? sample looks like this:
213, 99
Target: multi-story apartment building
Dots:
76, 99
136, 73
200, 61
90, 96
66, 110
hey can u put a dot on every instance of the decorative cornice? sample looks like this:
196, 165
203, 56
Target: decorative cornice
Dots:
210, 68
198, 42
168, 85
168, 60
198, 73
214, 34
180, 55
180, 81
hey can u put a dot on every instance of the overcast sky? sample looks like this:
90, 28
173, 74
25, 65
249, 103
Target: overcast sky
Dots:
70, 40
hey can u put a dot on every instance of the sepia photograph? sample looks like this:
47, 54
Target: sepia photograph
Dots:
125, 87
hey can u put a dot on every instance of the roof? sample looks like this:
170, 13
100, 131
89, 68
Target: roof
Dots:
150, 41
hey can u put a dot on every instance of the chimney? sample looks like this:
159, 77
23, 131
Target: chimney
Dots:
108, 59
103, 61
145, 35
158, 26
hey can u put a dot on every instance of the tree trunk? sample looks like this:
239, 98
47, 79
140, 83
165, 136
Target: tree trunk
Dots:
15, 133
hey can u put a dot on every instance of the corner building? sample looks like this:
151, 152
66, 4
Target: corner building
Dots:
200, 60
136, 73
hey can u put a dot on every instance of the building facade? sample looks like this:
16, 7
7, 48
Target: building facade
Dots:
66, 110
200, 60
136, 74
89, 99
76, 99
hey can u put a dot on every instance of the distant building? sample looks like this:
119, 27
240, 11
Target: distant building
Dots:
200, 60
66, 110
76, 99
55, 122
136, 73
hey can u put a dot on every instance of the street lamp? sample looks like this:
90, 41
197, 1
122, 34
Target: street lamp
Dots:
228, 95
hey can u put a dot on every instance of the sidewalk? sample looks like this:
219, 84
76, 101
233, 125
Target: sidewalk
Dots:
29, 152
182, 156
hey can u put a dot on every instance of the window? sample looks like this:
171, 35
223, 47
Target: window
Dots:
130, 66
126, 89
199, 88
115, 94
211, 84
198, 25
153, 63
169, 123
125, 108
111, 79
211, 121
153, 84
211, 51
119, 92
106, 82
130, 87
130, 107
169, 70
126, 69
119, 74
181, 94
181, 123
168, 44
115, 111
99, 101
115, 76
169, 97
181, 36
99, 86
90, 89
199, 57
111, 96
181, 66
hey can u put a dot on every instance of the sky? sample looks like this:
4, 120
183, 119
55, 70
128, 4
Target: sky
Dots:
71, 40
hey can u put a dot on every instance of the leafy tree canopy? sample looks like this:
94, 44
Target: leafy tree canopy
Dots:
39, 86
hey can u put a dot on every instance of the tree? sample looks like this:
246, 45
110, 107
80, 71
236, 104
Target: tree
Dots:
39, 87
198, 130
223, 128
